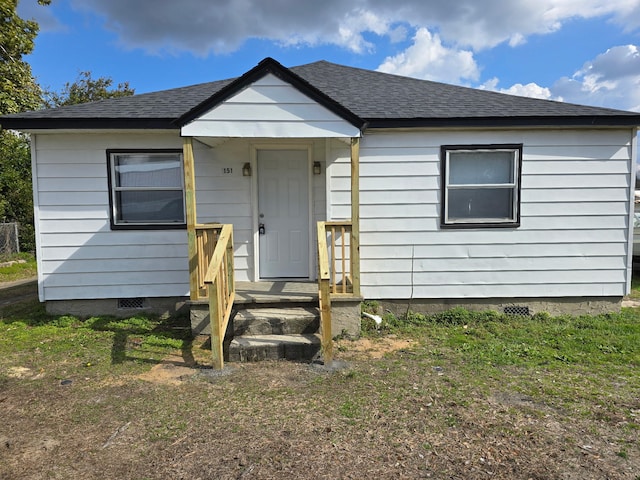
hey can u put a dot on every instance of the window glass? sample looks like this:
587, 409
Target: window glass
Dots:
487, 203
148, 171
157, 206
468, 168
147, 189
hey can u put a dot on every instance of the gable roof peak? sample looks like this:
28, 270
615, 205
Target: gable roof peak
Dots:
264, 67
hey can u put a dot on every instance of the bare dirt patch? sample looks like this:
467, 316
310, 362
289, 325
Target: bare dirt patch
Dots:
172, 371
24, 372
373, 348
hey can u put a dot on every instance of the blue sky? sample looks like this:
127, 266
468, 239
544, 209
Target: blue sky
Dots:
580, 51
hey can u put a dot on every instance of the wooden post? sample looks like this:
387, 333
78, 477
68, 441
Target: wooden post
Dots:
324, 295
355, 215
190, 203
215, 314
325, 326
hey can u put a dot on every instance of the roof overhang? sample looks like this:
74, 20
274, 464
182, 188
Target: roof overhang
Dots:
26, 123
508, 122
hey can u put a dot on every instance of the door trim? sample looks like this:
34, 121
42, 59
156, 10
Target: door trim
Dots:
255, 147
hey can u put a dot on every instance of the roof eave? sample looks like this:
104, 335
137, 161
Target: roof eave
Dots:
26, 123
504, 122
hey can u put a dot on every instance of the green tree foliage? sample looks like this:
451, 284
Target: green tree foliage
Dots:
16, 199
18, 89
86, 89
18, 92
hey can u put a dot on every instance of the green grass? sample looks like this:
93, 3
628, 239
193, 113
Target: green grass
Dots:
496, 339
572, 362
17, 271
67, 345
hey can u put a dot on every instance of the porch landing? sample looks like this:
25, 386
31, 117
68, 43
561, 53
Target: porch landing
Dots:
276, 292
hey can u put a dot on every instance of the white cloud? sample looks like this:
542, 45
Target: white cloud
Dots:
611, 79
532, 90
351, 28
222, 26
398, 34
204, 26
427, 58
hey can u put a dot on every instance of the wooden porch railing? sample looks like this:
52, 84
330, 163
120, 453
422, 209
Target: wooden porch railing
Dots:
344, 268
338, 272
216, 280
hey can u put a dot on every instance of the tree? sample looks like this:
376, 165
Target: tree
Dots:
86, 89
18, 92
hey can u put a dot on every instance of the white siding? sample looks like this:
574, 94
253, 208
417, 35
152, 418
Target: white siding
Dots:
270, 108
79, 256
574, 233
573, 239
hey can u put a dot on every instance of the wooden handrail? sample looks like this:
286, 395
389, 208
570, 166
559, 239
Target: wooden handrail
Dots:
218, 254
206, 239
219, 280
324, 295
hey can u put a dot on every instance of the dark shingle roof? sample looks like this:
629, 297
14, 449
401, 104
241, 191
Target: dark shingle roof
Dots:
373, 98
376, 95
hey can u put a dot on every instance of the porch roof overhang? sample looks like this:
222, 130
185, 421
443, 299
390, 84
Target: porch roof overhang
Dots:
215, 131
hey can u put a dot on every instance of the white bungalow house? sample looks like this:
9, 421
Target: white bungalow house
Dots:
447, 195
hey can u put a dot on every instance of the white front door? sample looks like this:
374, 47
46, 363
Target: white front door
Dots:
283, 213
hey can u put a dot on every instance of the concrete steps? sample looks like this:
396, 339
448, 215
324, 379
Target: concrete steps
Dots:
278, 319
255, 348
268, 333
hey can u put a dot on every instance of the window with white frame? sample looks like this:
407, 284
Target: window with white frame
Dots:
481, 185
146, 188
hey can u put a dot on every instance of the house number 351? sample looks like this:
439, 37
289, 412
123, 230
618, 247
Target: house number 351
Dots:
227, 170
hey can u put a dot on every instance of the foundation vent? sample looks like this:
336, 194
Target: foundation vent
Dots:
519, 310
131, 303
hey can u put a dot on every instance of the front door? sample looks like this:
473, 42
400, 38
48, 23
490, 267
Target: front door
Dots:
283, 213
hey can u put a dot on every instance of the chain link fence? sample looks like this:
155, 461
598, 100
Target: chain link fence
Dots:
9, 239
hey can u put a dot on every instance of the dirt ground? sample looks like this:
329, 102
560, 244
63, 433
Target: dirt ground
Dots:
266, 421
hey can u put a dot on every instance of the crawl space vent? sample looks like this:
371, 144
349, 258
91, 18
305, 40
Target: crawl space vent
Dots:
131, 303
520, 310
